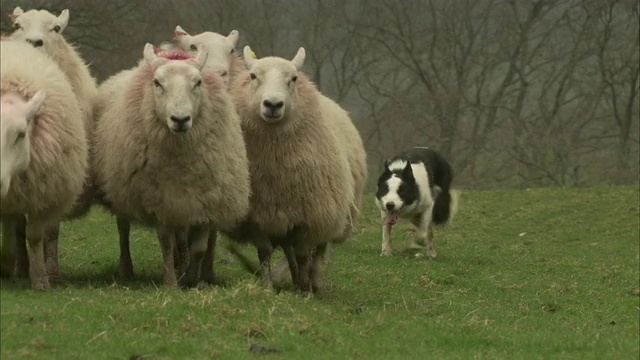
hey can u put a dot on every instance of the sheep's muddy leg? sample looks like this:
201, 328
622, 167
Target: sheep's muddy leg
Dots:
264, 256
181, 256
208, 272
291, 260
302, 259
51, 253
8, 258
37, 267
166, 235
315, 269
198, 235
125, 268
20, 246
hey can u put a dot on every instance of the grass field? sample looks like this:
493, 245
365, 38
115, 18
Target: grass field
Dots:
530, 274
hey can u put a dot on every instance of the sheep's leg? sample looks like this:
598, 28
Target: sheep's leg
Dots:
302, 259
264, 256
20, 247
316, 266
207, 271
293, 263
197, 247
37, 268
181, 256
386, 237
8, 259
166, 235
125, 268
51, 252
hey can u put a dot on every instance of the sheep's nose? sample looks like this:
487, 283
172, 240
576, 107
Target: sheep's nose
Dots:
35, 43
273, 105
390, 206
180, 120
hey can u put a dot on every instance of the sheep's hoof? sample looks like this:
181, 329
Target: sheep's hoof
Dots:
386, 252
126, 272
40, 284
56, 278
431, 253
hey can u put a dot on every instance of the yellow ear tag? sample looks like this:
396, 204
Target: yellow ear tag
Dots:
253, 54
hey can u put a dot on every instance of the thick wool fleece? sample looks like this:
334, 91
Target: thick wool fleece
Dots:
149, 174
85, 88
59, 153
299, 175
353, 146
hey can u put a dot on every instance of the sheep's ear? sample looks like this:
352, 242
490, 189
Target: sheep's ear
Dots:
149, 53
16, 12
63, 20
233, 37
179, 31
203, 54
34, 106
298, 60
249, 56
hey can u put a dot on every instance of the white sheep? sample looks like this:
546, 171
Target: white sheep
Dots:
44, 149
222, 49
43, 30
169, 153
301, 182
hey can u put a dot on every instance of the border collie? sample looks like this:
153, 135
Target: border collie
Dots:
415, 184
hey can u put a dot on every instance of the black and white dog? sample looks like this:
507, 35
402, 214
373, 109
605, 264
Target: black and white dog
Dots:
416, 185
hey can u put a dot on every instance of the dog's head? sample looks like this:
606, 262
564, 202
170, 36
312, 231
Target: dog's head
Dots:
398, 191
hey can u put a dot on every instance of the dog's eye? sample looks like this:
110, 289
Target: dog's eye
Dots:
56, 28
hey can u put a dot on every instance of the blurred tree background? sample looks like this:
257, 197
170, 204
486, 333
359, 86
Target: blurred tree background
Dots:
515, 93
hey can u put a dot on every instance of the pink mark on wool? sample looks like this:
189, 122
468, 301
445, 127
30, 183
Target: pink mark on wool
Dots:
174, 54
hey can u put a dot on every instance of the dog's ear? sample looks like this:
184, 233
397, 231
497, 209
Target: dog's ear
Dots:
407, 172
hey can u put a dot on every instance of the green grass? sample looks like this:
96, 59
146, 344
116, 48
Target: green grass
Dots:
536, 274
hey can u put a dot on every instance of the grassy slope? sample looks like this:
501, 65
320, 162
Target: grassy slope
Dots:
544, 273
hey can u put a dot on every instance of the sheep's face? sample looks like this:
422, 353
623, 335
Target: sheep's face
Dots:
177, 94
273, 84
220, 48
39, 28
17, 117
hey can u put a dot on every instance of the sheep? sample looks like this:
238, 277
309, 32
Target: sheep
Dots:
301, 183
44, 31
46, 135
222, 49
169, 152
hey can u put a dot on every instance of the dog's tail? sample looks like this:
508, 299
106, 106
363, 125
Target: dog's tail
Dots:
446, 206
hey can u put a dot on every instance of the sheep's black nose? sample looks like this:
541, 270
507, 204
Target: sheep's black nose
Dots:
180, 120
390, 206
273, 106
35, 43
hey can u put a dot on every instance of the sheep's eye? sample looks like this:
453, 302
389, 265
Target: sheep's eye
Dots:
21, 136
193, 47
232, 51
17, 26
223, 73
56, 28
199, 83
157, 83
294, 78
253, 76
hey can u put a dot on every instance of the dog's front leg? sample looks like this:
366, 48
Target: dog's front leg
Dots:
425, 232
386, 238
